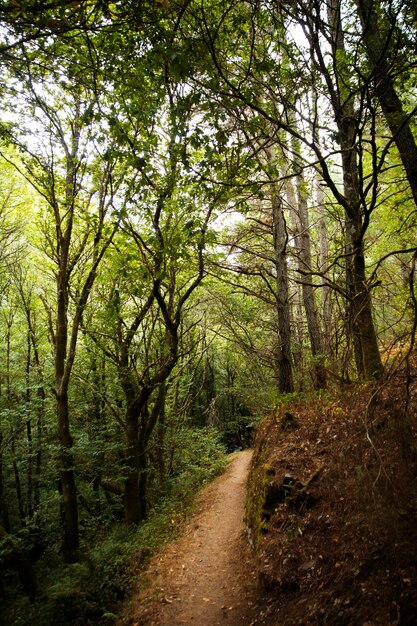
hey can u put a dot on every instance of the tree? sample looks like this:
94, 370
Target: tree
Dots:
78, 198
280, 239
383, 39
10, 240
166, 234
304, 254
248, 84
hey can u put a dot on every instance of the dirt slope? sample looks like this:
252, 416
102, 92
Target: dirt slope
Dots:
333, 503
208, 576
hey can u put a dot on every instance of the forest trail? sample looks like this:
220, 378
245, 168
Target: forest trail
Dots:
207, 577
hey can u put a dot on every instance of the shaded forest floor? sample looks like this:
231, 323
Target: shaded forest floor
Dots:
332, 506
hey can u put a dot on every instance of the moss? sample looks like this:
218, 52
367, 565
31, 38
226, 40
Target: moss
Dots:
259, 477
268, 470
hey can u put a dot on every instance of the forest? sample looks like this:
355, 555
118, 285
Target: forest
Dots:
206, 208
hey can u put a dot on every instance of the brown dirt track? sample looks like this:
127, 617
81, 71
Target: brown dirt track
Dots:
207, 577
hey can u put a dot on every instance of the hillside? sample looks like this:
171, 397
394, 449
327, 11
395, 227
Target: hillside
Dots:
332, 508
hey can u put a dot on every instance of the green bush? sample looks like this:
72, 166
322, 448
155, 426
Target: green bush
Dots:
90, 592
199, 455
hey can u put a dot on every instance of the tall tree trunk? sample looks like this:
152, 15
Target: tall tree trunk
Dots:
298, 318
143, 482
38, 459
17, 482
39, 417
68, 489
139, 425
398, 121
132, 505
30, 459
149, 420
304, 265
300, 224
161, 437
324, 259
352, 322
368, 360
35, 452
136, 425
16, 473
362, 310
96, 419
285, 375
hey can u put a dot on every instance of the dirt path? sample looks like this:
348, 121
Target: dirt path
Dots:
206, 577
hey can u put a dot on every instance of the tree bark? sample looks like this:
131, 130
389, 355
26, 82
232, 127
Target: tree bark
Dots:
368, 360
161, 436
304, 266
35, 460
68, 489
39, 418
397, 119
284, 360
324, 259
132, 505
29, 473
17, 481
139, 426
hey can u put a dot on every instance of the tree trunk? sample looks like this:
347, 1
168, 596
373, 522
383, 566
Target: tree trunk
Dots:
148, 423
29, 474
309, 298
285, 376
35, 464
17, 482
68, 490
372, 363
38, 460
352, 322
324, 259
139, 427
161, 438
368, 360
132, 505
143, 483
39, 420
70, 543
298, 333
398, 121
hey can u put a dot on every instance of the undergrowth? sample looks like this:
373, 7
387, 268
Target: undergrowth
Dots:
93, 590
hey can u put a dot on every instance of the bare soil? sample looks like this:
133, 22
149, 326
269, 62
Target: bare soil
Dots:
338, 540
208, 576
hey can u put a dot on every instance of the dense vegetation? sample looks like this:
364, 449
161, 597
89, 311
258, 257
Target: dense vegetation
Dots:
204, 207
